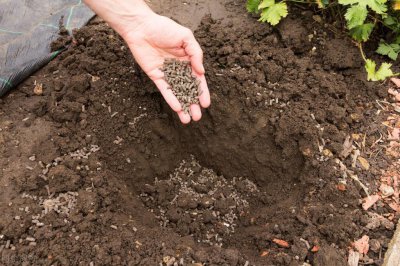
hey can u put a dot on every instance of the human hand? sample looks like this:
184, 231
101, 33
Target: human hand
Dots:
156, 38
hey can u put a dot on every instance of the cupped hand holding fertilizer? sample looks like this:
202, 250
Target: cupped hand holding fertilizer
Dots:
161, 47
153, 47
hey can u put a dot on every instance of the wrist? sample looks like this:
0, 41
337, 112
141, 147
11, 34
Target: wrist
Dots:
124, 16
131, 22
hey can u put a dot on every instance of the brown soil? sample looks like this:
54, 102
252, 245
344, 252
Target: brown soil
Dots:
85, 167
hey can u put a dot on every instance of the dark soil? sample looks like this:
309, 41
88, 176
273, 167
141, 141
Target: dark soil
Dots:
86, 168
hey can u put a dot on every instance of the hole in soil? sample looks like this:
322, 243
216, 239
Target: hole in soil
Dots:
256, 130
208, 198
249, 172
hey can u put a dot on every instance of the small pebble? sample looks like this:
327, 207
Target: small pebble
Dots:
114, 227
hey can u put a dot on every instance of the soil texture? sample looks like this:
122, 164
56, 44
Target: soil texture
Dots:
97, 170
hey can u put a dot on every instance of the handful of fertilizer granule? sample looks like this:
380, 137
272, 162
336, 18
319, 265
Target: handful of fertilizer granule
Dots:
184, 85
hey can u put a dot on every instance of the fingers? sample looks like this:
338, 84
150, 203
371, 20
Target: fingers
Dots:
195, 112
173, 102
185, 118
193, 49
204, 97
195, 53
169, 97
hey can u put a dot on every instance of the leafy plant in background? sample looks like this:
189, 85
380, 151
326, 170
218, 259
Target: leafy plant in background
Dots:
362, 17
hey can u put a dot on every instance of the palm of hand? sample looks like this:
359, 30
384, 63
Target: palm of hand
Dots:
158, 38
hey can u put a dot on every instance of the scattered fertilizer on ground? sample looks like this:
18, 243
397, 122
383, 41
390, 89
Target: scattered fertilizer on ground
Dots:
184, 84
196, 198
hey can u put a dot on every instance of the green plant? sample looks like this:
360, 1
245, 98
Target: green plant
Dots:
361, 16
391, 50
271, 11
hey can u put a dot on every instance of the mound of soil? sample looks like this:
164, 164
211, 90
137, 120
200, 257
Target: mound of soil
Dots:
87, 168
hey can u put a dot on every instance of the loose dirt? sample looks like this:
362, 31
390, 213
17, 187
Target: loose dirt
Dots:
97, 169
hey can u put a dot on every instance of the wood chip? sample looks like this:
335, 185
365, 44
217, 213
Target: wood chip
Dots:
354, 258
38, 89
362, 245
363, 162
392, 256
369, 201
396, 81
394, 134
281, 243
341, 187
394, 206
315, 249
347, 147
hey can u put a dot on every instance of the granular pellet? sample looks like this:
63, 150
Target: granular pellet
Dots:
183, 83
195, 200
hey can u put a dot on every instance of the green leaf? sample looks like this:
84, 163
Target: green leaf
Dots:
378, 6
349, 2
274, 13
391, 50
361, 33
266, 3
370, 67
389, 21
383, 72
356, 16
252, 5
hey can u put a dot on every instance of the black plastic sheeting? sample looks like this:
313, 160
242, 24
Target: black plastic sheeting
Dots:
27, 27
